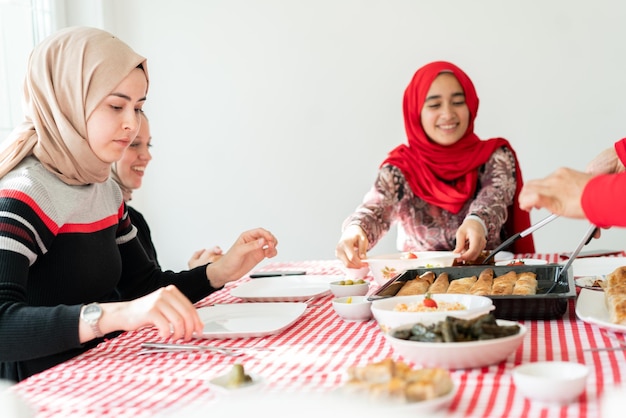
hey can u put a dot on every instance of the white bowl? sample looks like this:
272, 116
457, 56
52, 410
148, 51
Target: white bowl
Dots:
384, 309
461, 355
384, 267
353, 308
349, 288
558, 382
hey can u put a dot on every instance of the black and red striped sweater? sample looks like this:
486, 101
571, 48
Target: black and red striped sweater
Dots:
63, 246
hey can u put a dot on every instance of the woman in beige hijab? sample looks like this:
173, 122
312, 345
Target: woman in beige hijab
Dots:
71, 268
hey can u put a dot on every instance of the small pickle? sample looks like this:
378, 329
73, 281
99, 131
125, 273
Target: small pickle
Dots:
237, 376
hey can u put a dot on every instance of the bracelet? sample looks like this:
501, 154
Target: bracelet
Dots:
477, 218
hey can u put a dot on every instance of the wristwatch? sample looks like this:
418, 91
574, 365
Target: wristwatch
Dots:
91, 314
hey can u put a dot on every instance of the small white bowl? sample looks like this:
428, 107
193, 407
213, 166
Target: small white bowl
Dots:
384, 267
353, 308
556, 382
384, 309
349, 288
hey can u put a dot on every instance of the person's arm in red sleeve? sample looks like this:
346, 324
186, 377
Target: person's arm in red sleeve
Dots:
604, 198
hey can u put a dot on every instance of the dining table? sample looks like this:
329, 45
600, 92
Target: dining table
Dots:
310, 358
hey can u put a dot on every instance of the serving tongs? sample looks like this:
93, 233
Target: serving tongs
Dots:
519, 235
586, 239
155, 348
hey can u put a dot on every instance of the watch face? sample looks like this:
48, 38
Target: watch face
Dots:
92, 312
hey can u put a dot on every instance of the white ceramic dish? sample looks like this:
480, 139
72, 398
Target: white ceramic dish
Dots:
591, 308
557, 382
524, 261
356, 289
384, 267
387, 317
353, 308
461, 355
597, 266
221, 383
284, 288
241, 320
503, 255
588, 282
399, 409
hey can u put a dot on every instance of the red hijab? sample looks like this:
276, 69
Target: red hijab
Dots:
446, 176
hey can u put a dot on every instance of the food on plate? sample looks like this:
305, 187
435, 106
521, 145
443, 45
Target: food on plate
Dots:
483, 284
517, 262
615, 295
451, 330
349, 282
397, 381
479, 260
440, 285
429, 302
237, 377
408, 256
430, 305
462, 286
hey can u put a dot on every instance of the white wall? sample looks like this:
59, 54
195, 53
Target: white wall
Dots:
277, 113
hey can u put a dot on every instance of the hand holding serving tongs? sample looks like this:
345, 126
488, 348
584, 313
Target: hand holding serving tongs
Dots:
519, 235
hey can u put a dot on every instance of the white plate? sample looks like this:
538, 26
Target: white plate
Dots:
526, 261
597, 266
221, 383
285, 288
591, 308
588, 281
240, 320
503, 255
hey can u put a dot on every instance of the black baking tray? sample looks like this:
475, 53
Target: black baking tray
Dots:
551, 301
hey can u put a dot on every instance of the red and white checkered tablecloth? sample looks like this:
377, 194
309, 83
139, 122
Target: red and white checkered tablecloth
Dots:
313, 355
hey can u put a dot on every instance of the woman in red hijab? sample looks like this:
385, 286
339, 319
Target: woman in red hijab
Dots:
446, 189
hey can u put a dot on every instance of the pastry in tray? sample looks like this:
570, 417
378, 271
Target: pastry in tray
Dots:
509, 283
615, 295
397, 381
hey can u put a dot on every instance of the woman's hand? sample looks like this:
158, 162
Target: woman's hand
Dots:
560, 193
167, 309
248, 250
470, 240
352, 247
204, 256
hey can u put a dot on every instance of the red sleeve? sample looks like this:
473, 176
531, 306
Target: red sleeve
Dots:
620, 148
604, 199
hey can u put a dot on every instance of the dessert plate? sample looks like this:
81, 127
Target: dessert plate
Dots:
241, 320
591, 308
285, 288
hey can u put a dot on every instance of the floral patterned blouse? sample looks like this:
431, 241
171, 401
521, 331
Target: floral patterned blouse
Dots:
426, 227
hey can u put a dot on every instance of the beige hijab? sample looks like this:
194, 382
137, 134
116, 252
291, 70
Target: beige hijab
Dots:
68, 75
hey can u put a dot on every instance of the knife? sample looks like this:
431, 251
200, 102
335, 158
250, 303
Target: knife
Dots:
276, 273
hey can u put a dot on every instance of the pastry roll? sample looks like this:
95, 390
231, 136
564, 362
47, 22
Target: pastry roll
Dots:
417, 286
503, 285
462, 286
440, 285
526, 284
615, 295
483, 284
